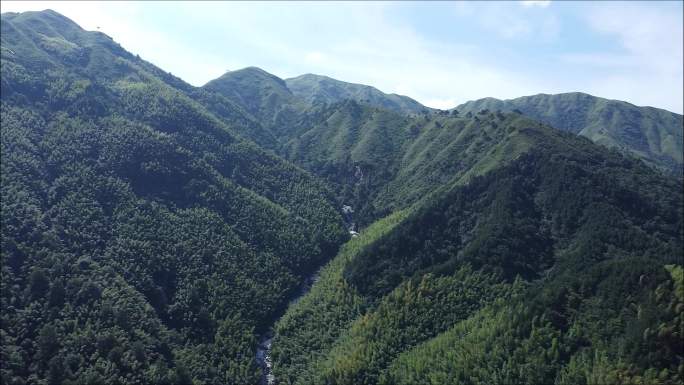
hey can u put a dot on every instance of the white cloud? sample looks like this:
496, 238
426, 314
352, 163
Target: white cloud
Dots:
647, 67
598, 59
513, 23
536, 3
396, 59
315, 57
372, 50
442, 104
651, 35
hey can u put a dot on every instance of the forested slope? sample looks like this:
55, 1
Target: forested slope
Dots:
143, 240
379, 158
381, 161
558, 265
152, 231
376, 160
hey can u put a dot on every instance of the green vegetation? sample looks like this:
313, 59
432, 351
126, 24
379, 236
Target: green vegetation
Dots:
543, 270
633, 341
143, 241
317, 89
262, 96
152, 232
651, 134
310, 326
380, 161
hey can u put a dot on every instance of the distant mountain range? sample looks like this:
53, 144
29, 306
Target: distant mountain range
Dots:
652, 134
155, 232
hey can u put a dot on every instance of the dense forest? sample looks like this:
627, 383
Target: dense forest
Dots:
143, 240
560, 266
153, 232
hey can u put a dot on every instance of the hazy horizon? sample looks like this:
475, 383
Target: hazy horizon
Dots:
441, 54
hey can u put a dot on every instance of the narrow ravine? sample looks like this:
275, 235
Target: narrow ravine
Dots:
263, 358
263, 352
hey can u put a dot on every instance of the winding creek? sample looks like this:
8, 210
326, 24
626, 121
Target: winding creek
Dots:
263, 358
263, 352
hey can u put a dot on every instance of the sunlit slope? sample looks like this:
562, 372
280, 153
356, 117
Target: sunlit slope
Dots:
318, 89
505, 269
652, 134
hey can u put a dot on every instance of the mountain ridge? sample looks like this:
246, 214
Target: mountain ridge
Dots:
579, 93
652, 134
126, 202
153, 232
323, 89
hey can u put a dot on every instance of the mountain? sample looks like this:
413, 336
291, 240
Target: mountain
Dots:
139, 231
316, 89
259, 92
376, 160
155, 232
556, 266
380, 161
281, 107
652, 134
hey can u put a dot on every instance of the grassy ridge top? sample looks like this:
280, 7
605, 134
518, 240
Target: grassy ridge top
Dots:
652, 134
317, 89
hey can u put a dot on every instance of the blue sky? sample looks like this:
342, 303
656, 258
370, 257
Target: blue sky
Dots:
441, 53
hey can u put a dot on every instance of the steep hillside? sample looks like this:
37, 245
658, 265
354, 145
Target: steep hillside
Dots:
652, 134
143, 240
549, 267
376, 160
256, 90
380, 161
317, 89
153, 232
263, 96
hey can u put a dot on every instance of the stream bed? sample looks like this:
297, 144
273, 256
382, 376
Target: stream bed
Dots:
263, 358
263, 352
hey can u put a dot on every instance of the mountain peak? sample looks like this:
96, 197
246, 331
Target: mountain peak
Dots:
247, 74
316, 78
256, 90
251, 70
323, 89
49, 17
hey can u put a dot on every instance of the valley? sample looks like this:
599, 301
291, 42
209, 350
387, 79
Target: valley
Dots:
259, 230
265, 344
